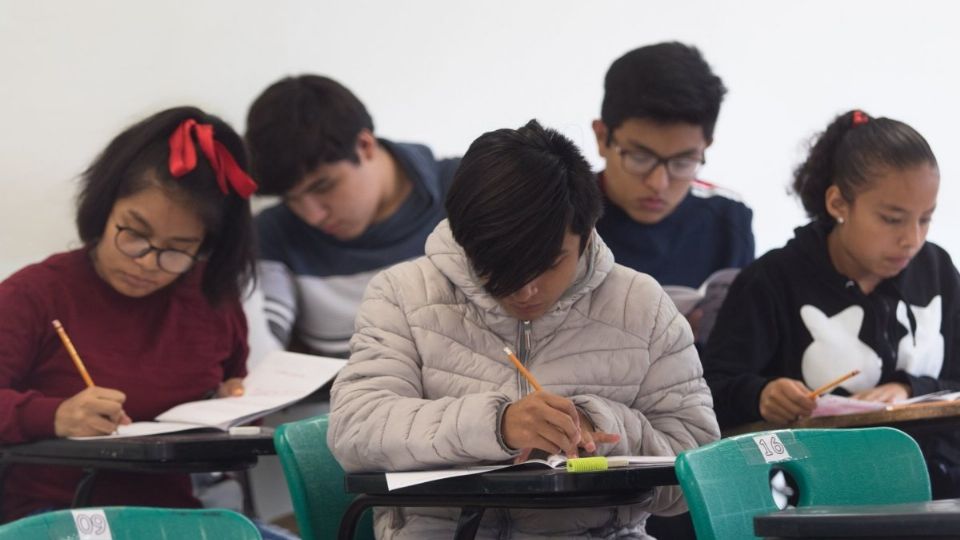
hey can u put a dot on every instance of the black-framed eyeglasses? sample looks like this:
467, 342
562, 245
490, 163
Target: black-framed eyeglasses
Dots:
642, 162
135, 245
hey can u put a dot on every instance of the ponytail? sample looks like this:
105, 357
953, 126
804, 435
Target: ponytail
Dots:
854, 147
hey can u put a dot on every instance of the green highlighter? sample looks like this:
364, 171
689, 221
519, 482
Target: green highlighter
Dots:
594, 463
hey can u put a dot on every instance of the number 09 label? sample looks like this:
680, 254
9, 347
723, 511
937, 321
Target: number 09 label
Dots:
92, 524
771, 447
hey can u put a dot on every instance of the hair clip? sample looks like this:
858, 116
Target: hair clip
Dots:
859, 117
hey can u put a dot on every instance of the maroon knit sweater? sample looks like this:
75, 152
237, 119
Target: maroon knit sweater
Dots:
160, 350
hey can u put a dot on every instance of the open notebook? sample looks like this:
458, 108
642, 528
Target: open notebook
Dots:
280, 379
833, 405
397, 480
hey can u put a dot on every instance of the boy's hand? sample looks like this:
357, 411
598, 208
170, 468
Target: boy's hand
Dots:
590, 437
550, 423
694, 318
93, 411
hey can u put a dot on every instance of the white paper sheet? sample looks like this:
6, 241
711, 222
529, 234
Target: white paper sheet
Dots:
397, 480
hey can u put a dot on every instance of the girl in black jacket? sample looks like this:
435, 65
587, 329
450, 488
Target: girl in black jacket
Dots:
856, 288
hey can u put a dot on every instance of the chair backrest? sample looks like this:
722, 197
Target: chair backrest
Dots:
131, 523
727, 482
315, 480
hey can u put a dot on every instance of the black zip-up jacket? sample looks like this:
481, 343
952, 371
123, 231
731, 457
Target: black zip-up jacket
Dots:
791, 314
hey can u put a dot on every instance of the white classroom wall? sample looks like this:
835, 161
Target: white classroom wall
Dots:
72, 74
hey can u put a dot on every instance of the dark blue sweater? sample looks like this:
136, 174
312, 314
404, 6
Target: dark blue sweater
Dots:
312, 282
705, 233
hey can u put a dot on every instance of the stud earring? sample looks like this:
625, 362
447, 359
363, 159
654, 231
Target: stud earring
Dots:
840, 220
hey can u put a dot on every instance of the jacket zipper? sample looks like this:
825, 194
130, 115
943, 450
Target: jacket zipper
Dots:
523, 353
523, 388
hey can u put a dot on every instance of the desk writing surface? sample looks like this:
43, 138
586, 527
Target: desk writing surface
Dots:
174, 447
928, 519
910, 418
516, 481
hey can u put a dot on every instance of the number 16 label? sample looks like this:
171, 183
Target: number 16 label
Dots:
92, 524
771, 447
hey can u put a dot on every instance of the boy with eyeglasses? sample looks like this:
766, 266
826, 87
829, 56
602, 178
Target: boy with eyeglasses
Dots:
660, 106
659, 109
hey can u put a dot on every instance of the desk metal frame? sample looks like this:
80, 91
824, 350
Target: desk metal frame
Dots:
904, 521
85, 456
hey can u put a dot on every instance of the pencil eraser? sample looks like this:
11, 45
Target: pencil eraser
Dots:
245, 430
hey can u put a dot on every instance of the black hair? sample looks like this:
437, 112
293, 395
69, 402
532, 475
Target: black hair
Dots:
667, 83
514, 196
298, 124
850, 151
138, 158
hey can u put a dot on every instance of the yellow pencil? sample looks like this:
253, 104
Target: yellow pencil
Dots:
523, 371
832, 384
67, 344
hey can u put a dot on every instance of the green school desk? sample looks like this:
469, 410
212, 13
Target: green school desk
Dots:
510, 488
184, 452
928, 519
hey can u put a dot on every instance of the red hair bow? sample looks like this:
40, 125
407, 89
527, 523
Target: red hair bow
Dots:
859, 117
183, 158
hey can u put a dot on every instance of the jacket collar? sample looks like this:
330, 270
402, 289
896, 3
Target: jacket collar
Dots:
449, 258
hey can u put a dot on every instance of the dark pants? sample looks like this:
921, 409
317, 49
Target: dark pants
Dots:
671, 528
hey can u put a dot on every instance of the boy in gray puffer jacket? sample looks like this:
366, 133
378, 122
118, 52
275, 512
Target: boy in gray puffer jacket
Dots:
518, 264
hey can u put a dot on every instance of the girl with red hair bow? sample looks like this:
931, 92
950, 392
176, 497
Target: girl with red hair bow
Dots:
151, 302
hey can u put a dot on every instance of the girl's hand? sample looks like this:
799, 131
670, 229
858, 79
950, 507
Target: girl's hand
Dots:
785, 400
886, 393
94, 411
230, 388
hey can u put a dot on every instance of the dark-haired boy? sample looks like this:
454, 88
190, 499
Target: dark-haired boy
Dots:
660, 107
353, 204
518, 263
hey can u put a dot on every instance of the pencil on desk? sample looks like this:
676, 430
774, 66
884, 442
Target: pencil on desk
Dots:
523, 371
832, 384
67, 344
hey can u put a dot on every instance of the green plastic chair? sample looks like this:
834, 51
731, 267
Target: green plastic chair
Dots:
315, 480
727, 482
133, 523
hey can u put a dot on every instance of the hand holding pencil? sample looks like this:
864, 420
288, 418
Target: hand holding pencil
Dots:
547, 421
92, 411
833, 384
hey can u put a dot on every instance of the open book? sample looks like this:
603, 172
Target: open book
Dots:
713, 289
833, 405
280, 379
708, 298
397, 480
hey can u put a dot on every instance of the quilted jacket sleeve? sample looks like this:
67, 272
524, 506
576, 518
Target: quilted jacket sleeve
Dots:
673, 410
379, 418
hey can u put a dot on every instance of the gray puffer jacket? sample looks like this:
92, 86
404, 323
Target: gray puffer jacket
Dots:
428, 381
